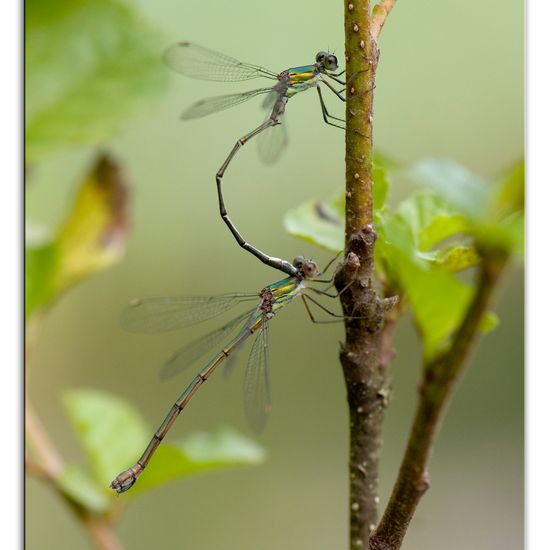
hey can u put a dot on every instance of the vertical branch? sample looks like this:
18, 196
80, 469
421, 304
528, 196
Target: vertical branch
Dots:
366, 353
361, 59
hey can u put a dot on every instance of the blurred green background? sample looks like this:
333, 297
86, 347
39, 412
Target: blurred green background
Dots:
450, 83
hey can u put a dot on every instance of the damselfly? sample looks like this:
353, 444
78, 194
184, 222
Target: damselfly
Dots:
197, 62
170, 313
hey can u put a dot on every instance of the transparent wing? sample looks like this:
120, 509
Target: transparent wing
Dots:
197, 62
269, 100
254, 316
163, 314
272, 141
211, 105
257, 390
188, 354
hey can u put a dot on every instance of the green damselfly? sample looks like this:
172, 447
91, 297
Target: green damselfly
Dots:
202, 63
170, 313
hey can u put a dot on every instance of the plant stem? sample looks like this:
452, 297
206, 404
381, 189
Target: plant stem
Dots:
364, 356
40, 442
49, 466
361, 60
440, 375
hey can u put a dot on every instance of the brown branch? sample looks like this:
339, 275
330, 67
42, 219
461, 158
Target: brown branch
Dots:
366, 353
440, 375
49, 466
361, 60
50, 460
380, 13
100, 532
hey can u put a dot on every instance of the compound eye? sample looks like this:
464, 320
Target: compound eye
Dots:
310, 269
320, 57
298, 262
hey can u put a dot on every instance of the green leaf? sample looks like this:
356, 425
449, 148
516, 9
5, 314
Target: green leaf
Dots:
438, 298
495, 213
380, 187
40, 269
504, 226
322, 222
509, 194
91, 239
431, 236
439, 302
199, 452
76, 483
489, 322
431, 220
507, 234
110, 430
463, 190
90, 65
318, 222
113, 434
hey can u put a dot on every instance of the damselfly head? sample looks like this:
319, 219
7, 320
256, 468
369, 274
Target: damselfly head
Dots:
307, 268
327, 61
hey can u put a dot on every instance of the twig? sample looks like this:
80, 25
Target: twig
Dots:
42, 445
101, 533
49, 467
364, 356
380, 13
440, 375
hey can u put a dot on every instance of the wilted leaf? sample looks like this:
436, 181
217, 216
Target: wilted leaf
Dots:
91, 239
76, 483
89, 66
94, 235
379, 14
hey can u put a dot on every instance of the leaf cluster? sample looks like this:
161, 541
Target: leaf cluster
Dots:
428, 242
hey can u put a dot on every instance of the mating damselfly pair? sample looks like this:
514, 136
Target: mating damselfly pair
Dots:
161, 314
